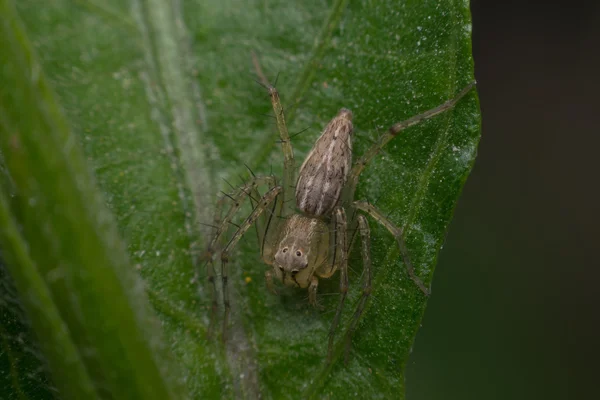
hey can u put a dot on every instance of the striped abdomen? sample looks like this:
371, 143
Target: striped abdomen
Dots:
324, 172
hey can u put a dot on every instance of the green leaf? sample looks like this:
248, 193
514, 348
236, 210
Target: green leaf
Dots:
86, 304
162, 98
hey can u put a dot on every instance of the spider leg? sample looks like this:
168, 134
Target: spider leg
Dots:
312, 292
263, 204
341, 243
238, 196
365, 236
286, 207
289, 179
398, 235
265, 221
221, 225
395, 130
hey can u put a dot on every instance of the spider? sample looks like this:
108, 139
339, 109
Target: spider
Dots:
303, 233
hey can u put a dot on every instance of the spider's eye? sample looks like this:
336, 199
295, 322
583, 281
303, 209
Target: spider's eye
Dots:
298, 253
294, 272
285, 249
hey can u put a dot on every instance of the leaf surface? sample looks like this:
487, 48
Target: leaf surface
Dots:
162, 98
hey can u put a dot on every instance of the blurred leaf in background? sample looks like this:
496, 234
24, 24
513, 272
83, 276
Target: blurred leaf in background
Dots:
162, 99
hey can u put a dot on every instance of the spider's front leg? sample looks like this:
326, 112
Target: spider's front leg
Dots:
397, 233
262, 205
221, 224
286, 206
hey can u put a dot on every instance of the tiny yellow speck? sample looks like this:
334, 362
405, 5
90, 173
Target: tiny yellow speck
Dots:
248, 279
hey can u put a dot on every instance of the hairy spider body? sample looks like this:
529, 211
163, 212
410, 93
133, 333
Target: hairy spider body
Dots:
303, 246
311, 242
325, 171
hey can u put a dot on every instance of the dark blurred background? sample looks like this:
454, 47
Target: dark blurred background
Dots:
514, 312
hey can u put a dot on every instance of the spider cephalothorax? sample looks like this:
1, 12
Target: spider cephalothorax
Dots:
303, 245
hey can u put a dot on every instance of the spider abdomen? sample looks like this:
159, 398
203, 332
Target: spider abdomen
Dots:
325, 170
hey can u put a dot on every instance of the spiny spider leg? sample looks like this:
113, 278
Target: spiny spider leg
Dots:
394, 131
341, 243
262, 205
365, 236
286, 207
265, 221
397, 233
222, 225
237, 197
359, 166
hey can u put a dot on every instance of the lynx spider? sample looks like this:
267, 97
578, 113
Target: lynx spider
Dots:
303, 246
